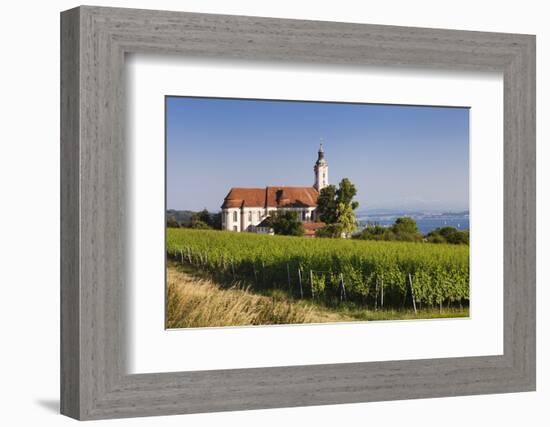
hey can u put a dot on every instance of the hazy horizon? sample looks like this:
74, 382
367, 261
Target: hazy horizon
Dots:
399, 157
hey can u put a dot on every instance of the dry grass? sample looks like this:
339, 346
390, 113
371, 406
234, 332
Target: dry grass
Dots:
194, 302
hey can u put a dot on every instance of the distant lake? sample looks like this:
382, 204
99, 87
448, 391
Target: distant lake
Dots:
425, 225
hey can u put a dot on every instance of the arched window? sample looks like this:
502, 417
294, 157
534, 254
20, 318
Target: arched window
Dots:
234, 216
249, 216
259, 215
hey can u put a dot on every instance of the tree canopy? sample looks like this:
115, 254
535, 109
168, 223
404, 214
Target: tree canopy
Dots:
286, 223
403, 229
336, 209
449, 235
205, 220
171, 222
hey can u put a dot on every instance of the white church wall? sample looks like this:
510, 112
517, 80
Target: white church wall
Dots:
232, 218
237, 219
252, 216
242, 218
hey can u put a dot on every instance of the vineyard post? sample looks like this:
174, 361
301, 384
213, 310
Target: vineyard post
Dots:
233, 269
376, 296
255, 273
288, 277
342, 288
381, 293
311, 283
181, 254
189, 254
263, 274
412, 292
300, 282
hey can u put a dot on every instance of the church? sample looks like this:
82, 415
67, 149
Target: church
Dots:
245, 209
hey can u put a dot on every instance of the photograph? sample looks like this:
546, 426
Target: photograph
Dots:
303, 212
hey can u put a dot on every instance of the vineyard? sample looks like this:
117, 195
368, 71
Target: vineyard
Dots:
367, 273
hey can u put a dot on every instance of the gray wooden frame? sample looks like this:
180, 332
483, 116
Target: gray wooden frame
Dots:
94, 41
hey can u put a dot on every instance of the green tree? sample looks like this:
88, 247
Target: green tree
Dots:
459, 238
346, 217
404, 225
336, 206
216, 221
435, 238
405, 229
199, 225
448, 235
330, 230
375, 232
286, 223
203, 216
172, 223
346, 192
326, 204
205, 220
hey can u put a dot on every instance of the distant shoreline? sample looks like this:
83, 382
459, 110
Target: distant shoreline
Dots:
424, 222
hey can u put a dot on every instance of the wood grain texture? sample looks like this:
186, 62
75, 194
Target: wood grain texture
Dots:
70, 220
94, 382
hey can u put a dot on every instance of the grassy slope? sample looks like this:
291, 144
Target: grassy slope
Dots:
198, 302
194, 301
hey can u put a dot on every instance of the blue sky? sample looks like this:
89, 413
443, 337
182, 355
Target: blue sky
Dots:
397, 156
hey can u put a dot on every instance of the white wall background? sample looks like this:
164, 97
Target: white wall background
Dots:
29, 214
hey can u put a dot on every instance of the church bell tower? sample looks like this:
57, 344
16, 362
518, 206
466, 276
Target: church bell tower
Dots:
321, 170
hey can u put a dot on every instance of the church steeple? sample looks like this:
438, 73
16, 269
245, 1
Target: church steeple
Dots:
321, 169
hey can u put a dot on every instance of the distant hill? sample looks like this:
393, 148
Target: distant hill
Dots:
394, 213
183, 217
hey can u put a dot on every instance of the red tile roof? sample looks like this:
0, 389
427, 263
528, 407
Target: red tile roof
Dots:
311, 227
271, 197
241, 197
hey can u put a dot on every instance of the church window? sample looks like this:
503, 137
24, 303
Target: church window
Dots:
259, 215
235, 216
249, 216
303, 215
234, 228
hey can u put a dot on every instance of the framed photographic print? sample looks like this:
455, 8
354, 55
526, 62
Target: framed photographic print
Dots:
337, 263
261, 213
